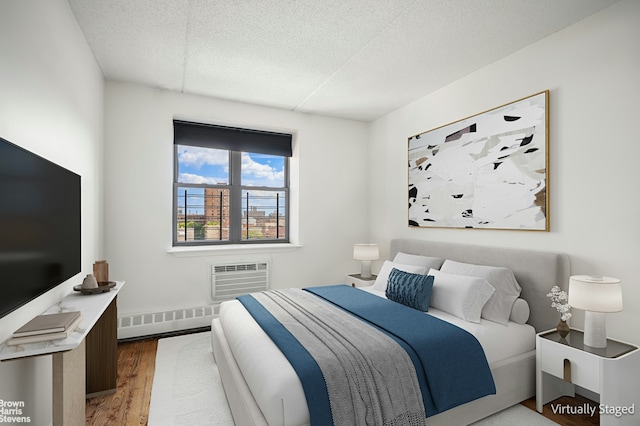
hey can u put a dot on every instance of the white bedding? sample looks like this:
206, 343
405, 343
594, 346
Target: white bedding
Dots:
275, 385
491, 335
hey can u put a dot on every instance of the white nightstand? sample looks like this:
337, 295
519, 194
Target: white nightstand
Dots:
356, 280
612, 372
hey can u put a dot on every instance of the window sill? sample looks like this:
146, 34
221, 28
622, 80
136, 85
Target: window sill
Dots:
194, 251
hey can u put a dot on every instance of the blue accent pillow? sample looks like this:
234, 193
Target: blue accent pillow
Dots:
412, 290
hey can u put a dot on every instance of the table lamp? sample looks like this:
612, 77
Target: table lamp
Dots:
365, 253
596, 295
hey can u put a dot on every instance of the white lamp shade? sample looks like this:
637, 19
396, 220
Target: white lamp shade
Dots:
366, 252
595, 294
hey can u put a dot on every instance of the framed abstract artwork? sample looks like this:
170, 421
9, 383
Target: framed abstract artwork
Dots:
487, 171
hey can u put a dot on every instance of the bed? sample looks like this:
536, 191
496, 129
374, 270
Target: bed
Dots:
263, 389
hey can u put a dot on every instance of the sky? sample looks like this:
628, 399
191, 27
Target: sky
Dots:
211, 166
206, 165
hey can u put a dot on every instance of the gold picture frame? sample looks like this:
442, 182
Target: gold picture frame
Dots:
486, 171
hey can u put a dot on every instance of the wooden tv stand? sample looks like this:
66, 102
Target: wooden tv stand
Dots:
84, 364
102, 353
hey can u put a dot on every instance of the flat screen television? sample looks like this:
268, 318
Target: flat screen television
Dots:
40, 242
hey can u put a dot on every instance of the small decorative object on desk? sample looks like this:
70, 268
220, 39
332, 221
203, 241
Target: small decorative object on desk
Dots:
101, 272
89, 282
559, 300
91, 286
96, 290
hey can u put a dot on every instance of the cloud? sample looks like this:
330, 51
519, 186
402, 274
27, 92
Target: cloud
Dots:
196, 157
193, 178
264, 174
254, 173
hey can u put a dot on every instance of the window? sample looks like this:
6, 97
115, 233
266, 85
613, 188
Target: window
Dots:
230, 186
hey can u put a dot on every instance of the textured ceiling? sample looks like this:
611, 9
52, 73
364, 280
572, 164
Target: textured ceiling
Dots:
344, 58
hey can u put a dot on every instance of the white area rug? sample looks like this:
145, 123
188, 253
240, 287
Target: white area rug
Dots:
516, 415
187, 390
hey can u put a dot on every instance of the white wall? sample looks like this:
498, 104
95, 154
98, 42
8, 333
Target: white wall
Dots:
51, 104
329, 155
592, 70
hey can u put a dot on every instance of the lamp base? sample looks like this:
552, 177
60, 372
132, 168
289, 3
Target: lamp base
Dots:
365, 271
595, 329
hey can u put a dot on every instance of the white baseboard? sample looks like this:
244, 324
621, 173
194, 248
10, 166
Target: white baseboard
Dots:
145, 324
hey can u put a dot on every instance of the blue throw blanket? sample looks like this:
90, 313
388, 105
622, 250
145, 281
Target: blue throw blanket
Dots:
450, 364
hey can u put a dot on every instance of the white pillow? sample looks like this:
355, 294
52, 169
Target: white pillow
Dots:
520, 311
460, 295
387, 266
417, 260
498, 308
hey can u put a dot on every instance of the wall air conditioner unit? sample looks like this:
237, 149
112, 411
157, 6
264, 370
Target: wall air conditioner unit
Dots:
231, 280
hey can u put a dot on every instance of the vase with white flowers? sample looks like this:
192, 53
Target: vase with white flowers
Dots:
559, 300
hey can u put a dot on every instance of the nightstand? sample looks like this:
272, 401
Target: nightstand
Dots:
356, 280
612, 372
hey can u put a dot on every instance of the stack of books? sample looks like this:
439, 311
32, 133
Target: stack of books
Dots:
46, 327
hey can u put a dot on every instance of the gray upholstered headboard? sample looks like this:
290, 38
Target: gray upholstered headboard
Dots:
535, 271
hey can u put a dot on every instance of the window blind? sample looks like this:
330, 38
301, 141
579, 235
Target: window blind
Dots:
232, 138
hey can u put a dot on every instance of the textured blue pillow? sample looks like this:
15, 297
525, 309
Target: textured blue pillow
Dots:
412, 290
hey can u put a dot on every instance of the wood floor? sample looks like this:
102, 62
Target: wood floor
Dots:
567, 420
129, 405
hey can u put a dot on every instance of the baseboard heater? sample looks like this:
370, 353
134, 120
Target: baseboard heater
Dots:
136, 325
227, 282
